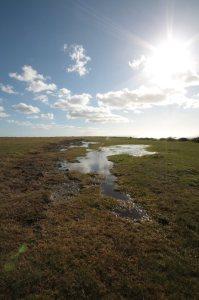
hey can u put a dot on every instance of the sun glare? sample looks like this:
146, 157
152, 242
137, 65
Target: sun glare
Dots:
169, 60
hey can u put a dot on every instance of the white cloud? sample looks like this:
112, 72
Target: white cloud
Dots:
20, 123
131, 99
82, 99
165, 82
166, 75
33, 117
67, 100
95, 114
189, 78
146, 97
29, 124
51, 93
159, 71
7, 89
78, 106
26, 109
43, 126
65, 47
3, 114
47, 116
138, 63
36, 82
64, 93
78, 56
42, 98
40, 86
28, 74
51, 126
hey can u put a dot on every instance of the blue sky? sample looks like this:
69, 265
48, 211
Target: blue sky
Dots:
99, 68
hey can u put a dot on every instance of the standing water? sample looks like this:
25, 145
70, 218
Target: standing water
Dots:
96, 161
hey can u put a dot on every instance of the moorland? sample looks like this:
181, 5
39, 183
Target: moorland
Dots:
61, 240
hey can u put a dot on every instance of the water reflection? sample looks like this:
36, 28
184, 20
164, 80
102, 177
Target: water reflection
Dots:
96, 161
81, 144
93, 162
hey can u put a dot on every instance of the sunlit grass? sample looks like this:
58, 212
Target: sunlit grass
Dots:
76, 247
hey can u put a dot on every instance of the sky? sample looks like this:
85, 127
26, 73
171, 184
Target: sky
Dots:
111, 68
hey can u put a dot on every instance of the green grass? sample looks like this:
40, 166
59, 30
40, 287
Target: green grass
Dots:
76, 248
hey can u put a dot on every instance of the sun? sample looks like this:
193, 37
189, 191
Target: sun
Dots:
170, 60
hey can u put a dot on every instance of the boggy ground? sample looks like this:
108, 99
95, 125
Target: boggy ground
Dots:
60, 239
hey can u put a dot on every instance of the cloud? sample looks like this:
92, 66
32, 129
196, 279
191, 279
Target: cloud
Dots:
19, 123
3, 114
131, 99
54, 126
78, 55
31, 125
26, 109
47, 116
28, 74
96, 115
77, 106
146, 97
42, 98
65, 47
64, 93
33, 117
159, 72
138, 63
7, 89
41, 126
67, 100
40, 86
170, 73
189, 78
51, 126
36, 82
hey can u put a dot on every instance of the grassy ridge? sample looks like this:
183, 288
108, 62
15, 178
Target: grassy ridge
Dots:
75, 247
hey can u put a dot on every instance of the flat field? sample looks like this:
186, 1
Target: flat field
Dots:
59, 237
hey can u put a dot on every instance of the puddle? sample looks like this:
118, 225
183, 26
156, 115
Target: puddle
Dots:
96, 161
81, 144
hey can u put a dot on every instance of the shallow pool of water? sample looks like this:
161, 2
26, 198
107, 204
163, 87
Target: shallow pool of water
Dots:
81, 144
96, 161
